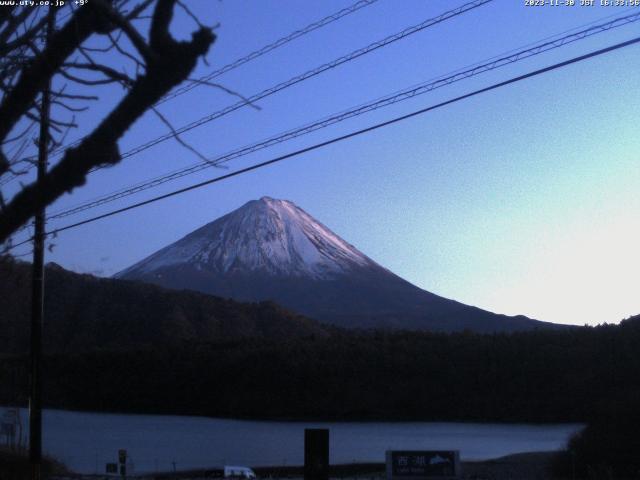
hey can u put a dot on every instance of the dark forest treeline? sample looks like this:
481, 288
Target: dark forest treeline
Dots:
540, 376
15, 466
87, 313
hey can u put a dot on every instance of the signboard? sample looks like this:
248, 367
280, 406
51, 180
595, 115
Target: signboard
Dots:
422, 464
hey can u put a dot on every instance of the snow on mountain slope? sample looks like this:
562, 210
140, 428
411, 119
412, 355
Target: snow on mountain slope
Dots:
273, 250
267, 235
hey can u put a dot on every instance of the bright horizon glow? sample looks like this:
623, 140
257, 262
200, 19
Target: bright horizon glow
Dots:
523, 200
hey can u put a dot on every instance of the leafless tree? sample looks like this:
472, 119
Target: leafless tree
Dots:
103, 42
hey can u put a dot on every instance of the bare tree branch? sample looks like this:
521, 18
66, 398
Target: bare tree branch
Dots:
122, 51
20, 134
60, 94
170, 64
123, 23
14, 22
69, 108
226, 90
43, 67
22, 39
109, 72
138, 9
57, 143
190, 13
178, 137
85, 81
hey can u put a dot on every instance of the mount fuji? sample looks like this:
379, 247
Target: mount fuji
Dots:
271, 249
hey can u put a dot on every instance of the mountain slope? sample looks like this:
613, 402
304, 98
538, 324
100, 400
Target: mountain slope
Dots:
272, 249
86, 313
265, 236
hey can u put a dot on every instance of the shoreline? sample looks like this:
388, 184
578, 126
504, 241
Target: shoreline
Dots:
292, 420
524, 466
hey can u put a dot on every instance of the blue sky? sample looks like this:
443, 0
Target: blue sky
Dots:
521, 201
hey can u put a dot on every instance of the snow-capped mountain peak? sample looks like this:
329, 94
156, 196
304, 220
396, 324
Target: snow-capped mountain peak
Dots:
271, 249
267, 236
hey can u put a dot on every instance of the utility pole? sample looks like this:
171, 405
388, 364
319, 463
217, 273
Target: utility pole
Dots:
37, 286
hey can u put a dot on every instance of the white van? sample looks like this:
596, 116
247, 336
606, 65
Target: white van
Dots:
229, 471
238, 472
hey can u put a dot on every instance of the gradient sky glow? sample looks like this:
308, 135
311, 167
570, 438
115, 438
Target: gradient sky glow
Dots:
523, 200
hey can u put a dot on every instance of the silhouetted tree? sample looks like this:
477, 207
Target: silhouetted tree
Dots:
157, 63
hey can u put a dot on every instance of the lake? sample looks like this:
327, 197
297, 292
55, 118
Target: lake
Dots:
87, 441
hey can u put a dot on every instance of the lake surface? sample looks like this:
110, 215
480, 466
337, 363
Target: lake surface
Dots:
87, 441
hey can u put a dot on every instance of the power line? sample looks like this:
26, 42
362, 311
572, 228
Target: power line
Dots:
302, 77
349, 135
257, 53
310, 74
268, 48
360, 4
388, 100
33, 158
